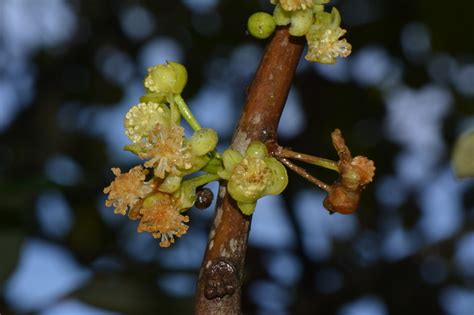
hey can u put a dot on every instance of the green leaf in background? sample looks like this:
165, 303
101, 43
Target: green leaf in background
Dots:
463, 155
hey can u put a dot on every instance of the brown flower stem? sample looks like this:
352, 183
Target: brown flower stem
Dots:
303, 173
220, 276
310, 159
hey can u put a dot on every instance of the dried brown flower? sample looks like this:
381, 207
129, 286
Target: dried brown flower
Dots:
355, 174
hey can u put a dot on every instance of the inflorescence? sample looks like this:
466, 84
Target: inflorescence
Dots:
305, 18
176, 166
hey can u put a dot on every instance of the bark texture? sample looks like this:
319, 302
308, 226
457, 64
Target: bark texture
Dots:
220, 276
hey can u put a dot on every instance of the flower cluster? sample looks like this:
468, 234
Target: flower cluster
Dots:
153, 127
306, 18
158, 192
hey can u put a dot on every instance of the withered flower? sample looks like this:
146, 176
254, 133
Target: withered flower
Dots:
355, 174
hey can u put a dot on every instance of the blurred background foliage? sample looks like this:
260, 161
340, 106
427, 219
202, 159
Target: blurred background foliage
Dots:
69, 70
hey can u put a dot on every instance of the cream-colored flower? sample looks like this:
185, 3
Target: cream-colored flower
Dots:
163, 220
127, 189
167, 151
324, 45
142, 118
293, 5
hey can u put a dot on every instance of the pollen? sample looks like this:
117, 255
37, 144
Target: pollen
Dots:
252, 176
127, 189
293, 5
167, 151
142, 118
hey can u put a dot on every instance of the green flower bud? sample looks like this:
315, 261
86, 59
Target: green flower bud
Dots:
166, 78
257, 150
261, 25
203, 141
280, 16
301, 21
170, 184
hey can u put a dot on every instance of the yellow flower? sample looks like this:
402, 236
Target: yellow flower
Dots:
127, 189
250, 177
167, 151
293, 5
142, 118
324, 45
161, 217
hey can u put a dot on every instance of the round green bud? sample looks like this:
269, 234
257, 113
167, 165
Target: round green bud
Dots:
301, 21
261, 25
256, 149
280, 16
166, 78
203, 141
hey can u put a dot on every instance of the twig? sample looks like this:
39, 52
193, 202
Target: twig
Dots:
281, 152
303, 173
220, 276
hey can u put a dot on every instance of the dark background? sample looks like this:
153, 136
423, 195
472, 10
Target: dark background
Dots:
69, 71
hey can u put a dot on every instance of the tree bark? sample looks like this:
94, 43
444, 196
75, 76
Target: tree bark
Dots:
220, 276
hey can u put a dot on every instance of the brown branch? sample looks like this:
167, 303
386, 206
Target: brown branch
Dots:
220, 276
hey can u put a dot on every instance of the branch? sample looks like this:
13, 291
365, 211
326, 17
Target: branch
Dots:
220, 276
